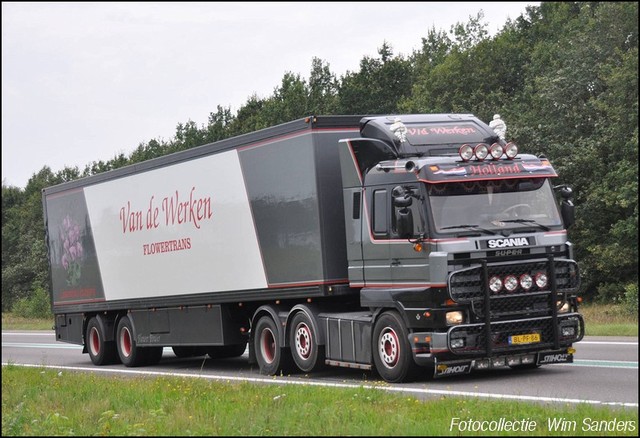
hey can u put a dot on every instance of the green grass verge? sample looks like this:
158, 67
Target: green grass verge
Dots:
609, 320
46, 402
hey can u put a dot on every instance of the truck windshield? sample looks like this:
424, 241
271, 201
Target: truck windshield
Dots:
492, 206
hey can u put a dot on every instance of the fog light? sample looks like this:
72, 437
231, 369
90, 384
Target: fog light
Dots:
526, 360
457, 343
513, 360
526, 281
498, 362
454, 318
466, 152
568, 331
496, 150
511, 150
495, 284
541, 280
481, 364
481, 151
510, 283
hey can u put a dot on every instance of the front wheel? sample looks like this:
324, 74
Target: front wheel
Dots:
270, 354
391, 349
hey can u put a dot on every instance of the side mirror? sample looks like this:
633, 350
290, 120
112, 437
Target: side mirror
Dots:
402, 200
404, 223
567, 209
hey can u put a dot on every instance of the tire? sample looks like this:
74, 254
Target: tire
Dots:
130, 354
391, 349
271, 356
303, 339
100, 351
189, 351
226, 351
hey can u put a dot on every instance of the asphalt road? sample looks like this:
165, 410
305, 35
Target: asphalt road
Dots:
604, 372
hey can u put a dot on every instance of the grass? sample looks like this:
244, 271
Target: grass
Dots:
11, 321
50, 403
609, 320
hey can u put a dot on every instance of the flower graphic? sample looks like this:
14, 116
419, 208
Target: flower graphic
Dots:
72, 251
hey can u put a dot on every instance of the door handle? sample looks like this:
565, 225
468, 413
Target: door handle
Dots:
396, 262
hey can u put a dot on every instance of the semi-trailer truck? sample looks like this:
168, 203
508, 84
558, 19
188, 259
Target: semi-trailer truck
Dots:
410, 245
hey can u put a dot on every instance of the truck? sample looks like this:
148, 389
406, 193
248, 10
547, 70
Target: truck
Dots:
413, 246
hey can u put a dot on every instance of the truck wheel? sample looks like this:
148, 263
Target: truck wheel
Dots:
130, 354
100, 351
226, 351
271, 356
306, 352
391, 350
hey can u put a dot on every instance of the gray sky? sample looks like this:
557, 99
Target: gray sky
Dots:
83, 82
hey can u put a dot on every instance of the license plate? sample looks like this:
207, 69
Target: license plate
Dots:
530, 338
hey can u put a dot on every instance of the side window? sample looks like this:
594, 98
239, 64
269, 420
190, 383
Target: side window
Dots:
380, 213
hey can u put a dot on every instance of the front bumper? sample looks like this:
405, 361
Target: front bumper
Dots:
528, 342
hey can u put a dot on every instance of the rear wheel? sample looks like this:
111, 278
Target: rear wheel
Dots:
130, 354
306, 352
391, 349
270, 354
100, 351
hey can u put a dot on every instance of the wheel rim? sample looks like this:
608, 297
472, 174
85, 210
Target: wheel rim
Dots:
303, 341
389, 348
267, 345
94, 341
125, 342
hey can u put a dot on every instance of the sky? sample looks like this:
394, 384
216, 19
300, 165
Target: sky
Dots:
86, 81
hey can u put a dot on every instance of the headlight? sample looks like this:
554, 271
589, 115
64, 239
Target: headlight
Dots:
455, 318
563, 308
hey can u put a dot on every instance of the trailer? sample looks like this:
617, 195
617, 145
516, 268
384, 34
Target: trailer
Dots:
412, 245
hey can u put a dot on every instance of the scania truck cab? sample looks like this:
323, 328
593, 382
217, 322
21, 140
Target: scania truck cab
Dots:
462, 236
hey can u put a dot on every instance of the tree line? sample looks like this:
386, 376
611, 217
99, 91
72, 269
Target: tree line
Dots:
563, 75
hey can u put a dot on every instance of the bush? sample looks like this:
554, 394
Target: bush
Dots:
631, 299
36, 306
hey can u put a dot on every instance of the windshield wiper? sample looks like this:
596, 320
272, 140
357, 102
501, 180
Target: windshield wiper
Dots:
474, 227
528, 221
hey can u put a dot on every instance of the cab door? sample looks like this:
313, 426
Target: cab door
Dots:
375, 246
409, 267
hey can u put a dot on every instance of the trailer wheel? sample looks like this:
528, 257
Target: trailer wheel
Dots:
391, 350
100, 351
303, 339
271, 356
130, 354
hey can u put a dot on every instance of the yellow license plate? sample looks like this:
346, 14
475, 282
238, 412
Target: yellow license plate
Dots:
530, 338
